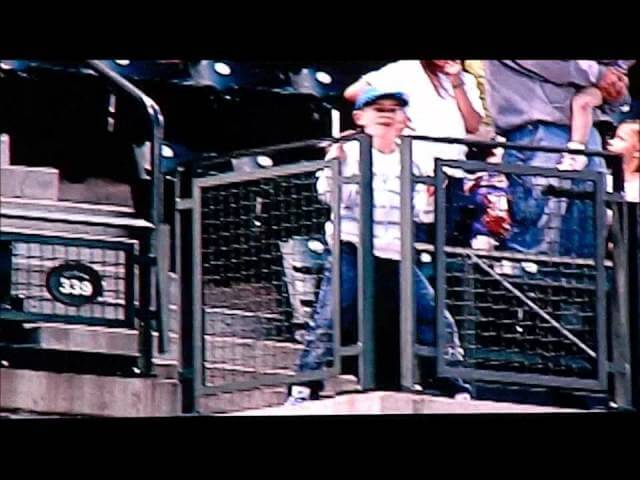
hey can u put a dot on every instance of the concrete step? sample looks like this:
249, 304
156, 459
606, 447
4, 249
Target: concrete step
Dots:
59, 336
399, 403
43, 222
244, 352
166, 369
14, 413
339, 385
73, 207
63, 393
29, 182
268, 396
241, 401
225, 322
97, 191
217, 374
57, 228
42, 213
84, 338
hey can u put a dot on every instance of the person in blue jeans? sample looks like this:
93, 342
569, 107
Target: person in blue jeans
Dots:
530, 102
382, 115
318, 343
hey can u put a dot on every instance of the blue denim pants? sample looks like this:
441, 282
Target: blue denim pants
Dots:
318, 349
541, 223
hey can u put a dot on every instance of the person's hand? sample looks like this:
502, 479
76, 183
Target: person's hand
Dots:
335, 150
498, 223
496, 219
346, 133
453, 68
613, 85
496, 156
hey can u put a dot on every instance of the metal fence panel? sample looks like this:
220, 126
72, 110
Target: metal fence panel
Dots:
259, 255
526, 318
32, 257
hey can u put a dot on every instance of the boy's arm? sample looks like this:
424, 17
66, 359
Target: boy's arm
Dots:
424, 203
324, 184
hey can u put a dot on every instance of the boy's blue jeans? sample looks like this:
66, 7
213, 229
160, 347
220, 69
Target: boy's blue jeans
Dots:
318, 343
541, 223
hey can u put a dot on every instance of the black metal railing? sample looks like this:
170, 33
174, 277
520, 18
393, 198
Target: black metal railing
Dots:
156, 122
155, 214
561, 325
580, 355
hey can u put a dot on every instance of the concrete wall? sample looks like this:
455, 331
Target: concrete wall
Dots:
88, 394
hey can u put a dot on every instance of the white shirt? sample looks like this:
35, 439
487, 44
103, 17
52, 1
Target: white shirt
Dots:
386, 199
431, 114
632, 191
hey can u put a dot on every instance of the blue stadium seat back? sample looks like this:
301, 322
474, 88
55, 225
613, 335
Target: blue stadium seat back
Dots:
328, 79
157, 70
227, 74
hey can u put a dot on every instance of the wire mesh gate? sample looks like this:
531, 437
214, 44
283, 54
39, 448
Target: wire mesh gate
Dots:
523, 317
254, 244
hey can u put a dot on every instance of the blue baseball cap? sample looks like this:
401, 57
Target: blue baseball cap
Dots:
372, 94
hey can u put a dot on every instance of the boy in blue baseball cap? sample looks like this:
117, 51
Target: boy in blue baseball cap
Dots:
381, 114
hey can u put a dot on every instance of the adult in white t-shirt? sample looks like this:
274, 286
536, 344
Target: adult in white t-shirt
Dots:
444, 101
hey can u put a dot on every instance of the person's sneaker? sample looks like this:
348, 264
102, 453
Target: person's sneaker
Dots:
462, 397
454, 388
299, 395
572, 161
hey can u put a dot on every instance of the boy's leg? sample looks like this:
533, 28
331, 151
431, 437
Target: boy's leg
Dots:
426, 335
318, 345
349, 305
387, 325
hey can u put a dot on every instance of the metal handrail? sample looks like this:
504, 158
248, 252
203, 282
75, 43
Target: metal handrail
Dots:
159, 236
327, 141
613, 160
156, 120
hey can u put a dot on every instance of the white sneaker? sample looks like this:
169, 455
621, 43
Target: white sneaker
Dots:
462, 397
572, 161
299, 394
